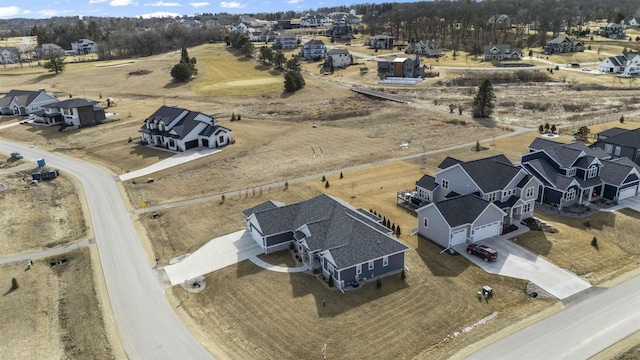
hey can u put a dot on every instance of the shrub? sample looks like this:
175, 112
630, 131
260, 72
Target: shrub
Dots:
403, 275
477, 145
130, 140
323, 178
14, 284
326, 185
286, 185
621, 119
341, 176
398, 232
330, 281
222, 199
378, 283
594, 242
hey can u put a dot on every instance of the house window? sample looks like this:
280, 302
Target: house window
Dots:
492, 197
67, 112
530, 192
370, 265
593, 172
617, 152
570, 195
445, 184
571, 172
385, 261
426, 222
358, 269
527, 207
608, 148
221, 139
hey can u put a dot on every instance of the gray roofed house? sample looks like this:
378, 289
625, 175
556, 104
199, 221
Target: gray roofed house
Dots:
331, 235
181, 129
618, 142
314, 50
626, 63
74, 112
563, 44
500, 52
462, 209
25, 102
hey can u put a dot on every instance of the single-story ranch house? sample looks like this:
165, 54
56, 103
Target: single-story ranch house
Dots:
179, 129
346, 243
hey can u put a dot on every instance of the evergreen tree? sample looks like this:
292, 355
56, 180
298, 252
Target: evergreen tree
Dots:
289, 82
54, 62
14, 284
181, 72
293, 64
279, 59
541, 129
483, 102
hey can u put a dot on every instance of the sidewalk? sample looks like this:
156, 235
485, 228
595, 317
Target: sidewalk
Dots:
177, 159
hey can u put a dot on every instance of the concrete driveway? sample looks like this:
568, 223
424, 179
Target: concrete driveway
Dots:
214, 255
175, 160
514, 261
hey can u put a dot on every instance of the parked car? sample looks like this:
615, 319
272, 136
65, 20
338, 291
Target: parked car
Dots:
483, 251
586, 69
16, 155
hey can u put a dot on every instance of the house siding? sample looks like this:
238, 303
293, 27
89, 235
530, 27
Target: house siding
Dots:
489, 215
438, 229
552, 196
278, 239
458, 180
610, 192
396, 264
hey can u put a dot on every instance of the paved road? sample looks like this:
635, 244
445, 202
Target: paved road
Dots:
46, 253
147, 325
588, 325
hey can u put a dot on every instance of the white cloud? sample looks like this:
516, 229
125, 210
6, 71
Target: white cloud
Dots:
294, 1
9, 11
232, 5
159, 14
199, 4
162, 3
122, 2
96, 1
26, 12
45, 13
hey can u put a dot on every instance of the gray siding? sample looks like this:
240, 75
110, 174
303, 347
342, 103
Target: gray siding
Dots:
610, 192
278, 239
459, 182
488, 216
437, 230
552, 197
348, 275
396, 264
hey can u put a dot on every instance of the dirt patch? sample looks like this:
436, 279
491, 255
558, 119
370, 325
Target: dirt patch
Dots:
54, 314
140, 72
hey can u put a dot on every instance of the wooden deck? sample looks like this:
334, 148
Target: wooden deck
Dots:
380, 95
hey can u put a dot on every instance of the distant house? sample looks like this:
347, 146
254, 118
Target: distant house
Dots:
619, 142
285, 41
24, 102
314, 50
401, 67
344, 18
576, 174
347, 244
264, 35
500, 20
73, 112
612, 31
43, 50
630, 22
84, 46
499, 52
315, 20
9, 56
381, 42
563, 44
179, 129
338, 58
340, 32
424, 47
625, 63
240, 28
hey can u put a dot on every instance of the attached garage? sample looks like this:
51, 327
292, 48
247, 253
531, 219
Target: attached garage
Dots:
628, 192
458, 237
191, 144
486, 231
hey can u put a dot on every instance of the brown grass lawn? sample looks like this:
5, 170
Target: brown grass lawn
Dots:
54, 314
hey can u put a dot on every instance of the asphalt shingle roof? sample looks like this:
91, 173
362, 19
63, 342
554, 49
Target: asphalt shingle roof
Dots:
184, 126
267, 205
612, 132
462, 209
540, 143
72, 104
448, 162
492, 173
427, 182
549, 173
617, 171
23, 97
629, 138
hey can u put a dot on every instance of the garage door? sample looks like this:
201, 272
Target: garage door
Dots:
486, 231
191, 144
628, 192
458, 237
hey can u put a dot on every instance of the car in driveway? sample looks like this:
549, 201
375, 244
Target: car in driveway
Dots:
483, 251
16, 155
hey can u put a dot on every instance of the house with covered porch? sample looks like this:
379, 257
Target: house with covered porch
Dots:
348, 244
178, 129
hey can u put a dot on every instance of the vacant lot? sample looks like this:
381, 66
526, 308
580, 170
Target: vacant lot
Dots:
54, 314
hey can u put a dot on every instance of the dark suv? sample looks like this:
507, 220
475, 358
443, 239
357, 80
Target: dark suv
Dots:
483, 251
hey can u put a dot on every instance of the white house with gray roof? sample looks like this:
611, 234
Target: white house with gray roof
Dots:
338, 58
180, 129
73, 112
499, 52
625, 63
346, 243
25, 102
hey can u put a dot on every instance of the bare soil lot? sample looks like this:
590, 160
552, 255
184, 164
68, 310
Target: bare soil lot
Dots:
54, 314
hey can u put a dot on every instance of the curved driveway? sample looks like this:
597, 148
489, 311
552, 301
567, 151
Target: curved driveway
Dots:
147, 325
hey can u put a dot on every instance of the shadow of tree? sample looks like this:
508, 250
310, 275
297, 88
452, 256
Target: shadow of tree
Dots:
174, 84
41, 78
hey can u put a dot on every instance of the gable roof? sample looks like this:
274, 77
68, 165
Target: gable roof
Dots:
542, 143
267, 205
502, 49
72, 103
334, 226
490, 174
565, 155
427, 182
618, 170
337, 52
167, 114
612, 132
462, 210
448, 162
547, 174
628, 138
23, 97
314, 42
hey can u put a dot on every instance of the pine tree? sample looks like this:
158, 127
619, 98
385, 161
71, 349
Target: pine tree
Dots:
483, 102
54, 62
341, 176
326, 185
14, 284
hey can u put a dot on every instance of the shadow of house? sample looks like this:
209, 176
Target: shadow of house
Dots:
444, 264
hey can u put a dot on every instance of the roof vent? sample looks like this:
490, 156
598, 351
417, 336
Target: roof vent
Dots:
41, 89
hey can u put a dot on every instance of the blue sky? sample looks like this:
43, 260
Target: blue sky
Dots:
133, 8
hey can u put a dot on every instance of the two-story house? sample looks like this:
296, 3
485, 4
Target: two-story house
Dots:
625, 63
563, 44
9, 55
401, 67
25, 102
381, 42
74, 112
84, 46
499, 52
43, 50
338, 58
314, 50
347, 244
315, 20
576, 174
619, 142
428, 48
285, 41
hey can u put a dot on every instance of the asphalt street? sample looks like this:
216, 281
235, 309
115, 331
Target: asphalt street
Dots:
147, 325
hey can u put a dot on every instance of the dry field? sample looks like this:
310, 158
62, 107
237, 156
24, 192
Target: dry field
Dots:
54, 314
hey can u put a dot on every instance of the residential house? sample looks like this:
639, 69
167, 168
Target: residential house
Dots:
612, 31
344, 18
424, 47
576, 174
192, 23
315, 20
73, 112
625, 63
338, 58
345, 243
24, 102
499, 52
500, 21
401, 67
264, 35
459, 220
380, 42
285, 41
630, 22
619, 142
9, 55
563, 44
494, 179
180, 129
240, 28
314, 50
84, 46
43, 50
340, 32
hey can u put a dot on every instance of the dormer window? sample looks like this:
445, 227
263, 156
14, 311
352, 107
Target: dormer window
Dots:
593, 172
571, 172
492, 197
